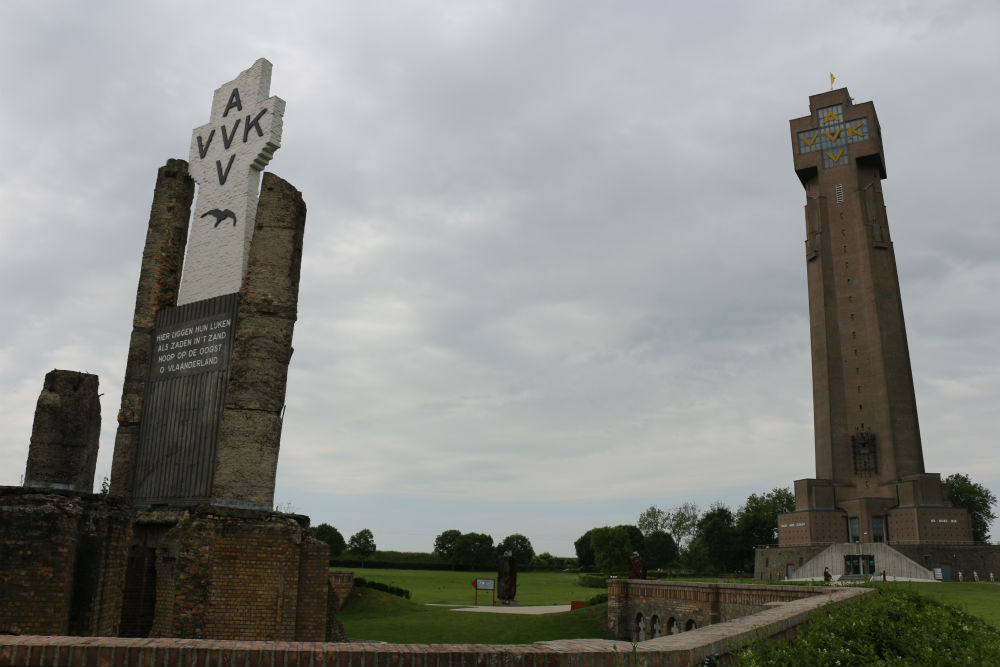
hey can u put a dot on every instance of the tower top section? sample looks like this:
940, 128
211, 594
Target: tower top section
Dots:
836, 133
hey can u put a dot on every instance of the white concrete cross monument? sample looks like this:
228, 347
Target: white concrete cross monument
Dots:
226, 158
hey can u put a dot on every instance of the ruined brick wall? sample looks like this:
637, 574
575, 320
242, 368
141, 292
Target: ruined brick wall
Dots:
311, 610
159, 277
104, 532
250, 430
65, 434
62, 562
334, 628
36, 564
234, 574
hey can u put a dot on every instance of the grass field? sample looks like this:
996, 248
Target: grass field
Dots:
979, 599
449, 587
380, 616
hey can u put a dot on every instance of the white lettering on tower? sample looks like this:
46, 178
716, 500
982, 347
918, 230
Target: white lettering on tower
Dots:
226, 158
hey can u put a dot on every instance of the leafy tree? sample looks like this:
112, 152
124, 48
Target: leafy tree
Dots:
362, 543
757, 522
682, 522
696, 557
585, 551
520, 546
661, 549
717, 531
976, 498
474, 550
612, 549
544, 560
635, 538
652, 520
324, 532
444, 545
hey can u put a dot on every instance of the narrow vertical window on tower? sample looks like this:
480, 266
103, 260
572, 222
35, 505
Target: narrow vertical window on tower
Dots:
839, 188
878, 529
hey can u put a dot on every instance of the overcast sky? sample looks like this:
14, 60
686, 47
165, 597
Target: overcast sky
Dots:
554, 268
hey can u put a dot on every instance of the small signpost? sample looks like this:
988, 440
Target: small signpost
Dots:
485, 585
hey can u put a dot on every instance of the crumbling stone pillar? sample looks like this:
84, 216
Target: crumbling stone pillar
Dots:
159, 277
250, 429
65, 435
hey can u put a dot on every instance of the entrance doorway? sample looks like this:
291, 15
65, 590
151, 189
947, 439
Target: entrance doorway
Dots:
859, 565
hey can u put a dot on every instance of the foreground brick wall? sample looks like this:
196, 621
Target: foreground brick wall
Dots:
233, 578
311, 609
36, 567
61, 563
688, 648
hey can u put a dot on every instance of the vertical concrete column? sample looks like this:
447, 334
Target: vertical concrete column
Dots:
159, 277
65, 434
250, 430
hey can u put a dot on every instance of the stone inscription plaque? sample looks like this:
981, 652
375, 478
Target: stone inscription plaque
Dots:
195, 346
183, 402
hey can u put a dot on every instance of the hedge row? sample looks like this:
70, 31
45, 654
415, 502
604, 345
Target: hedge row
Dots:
592, 580
379, 586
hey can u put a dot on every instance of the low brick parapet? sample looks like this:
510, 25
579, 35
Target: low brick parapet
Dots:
688, 648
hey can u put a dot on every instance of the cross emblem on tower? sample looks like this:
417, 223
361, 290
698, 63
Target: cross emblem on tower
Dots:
833, 135
226, 158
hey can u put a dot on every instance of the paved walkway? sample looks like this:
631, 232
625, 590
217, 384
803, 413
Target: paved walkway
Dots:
504, 609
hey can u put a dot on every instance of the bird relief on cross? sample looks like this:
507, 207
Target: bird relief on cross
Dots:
226, 158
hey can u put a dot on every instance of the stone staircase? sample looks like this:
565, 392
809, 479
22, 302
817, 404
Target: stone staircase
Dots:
895, 564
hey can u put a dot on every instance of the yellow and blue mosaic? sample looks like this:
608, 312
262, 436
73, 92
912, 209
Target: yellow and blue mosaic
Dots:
833, 136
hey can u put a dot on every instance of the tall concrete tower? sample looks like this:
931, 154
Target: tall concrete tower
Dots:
870, 483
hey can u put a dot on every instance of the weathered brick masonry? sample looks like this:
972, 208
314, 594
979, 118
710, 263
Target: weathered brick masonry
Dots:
62, 562
159, 278
639, 609
237, 574
65, 433
250, 432
83, 564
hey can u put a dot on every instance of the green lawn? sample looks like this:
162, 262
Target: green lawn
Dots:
381, 616
979, 599
450, 587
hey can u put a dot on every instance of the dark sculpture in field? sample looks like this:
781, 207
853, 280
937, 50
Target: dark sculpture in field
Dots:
506, 577
636, 566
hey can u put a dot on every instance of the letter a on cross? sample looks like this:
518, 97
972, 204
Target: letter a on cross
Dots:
226, 158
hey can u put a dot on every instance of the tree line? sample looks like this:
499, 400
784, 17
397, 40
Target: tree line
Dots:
716, 540
719, 539
452, 549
